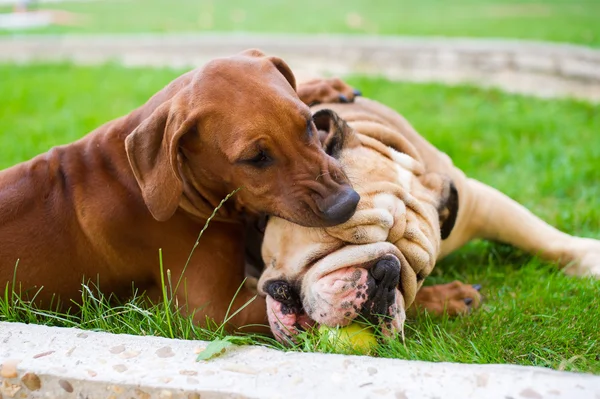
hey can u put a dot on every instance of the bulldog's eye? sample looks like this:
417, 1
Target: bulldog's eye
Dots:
261, 160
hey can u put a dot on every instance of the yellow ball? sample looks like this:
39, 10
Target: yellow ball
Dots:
354, 336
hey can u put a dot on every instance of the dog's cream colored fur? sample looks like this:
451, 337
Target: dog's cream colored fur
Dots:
402, 180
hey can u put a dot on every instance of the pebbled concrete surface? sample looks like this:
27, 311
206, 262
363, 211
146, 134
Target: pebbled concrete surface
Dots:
534, 68
49, 362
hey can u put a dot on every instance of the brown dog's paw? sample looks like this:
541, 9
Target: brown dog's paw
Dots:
320, 91
454, 298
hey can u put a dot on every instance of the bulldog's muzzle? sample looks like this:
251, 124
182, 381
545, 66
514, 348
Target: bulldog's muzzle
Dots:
366, 292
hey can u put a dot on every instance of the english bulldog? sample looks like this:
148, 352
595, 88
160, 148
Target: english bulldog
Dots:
415, 208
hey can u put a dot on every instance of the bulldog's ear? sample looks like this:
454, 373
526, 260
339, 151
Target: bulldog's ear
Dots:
448, 200
152, 152
280, 64
448, 208
334, 132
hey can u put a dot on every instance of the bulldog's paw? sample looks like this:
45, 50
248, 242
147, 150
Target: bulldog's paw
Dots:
590, 265
586, 259
454, 298
320, 91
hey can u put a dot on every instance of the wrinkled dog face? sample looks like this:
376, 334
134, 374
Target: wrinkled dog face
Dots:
369, 267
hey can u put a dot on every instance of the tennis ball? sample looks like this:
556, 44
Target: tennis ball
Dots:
354, 336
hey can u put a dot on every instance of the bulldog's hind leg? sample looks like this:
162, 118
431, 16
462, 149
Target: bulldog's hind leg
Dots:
494, 216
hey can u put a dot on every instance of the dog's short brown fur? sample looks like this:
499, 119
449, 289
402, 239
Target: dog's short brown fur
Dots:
101, 208
416, 207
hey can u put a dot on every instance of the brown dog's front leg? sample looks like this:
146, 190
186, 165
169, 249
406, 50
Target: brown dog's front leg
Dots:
253, 314
210, 285
247, 312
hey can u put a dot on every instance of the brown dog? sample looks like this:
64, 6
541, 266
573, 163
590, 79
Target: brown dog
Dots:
101, 208
415, 208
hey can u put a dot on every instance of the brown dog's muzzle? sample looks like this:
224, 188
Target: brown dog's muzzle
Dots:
328, 191
324, 191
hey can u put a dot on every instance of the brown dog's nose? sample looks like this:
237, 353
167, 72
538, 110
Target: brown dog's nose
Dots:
340, 207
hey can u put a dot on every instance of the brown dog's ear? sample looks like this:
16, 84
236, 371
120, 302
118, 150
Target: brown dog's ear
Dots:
152, 153
285, 70
334, 132
280, 64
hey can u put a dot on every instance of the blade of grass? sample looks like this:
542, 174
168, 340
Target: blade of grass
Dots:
213, 214
164, 292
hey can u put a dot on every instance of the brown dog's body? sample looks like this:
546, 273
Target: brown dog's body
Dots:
102, 207
75, 213
416, 207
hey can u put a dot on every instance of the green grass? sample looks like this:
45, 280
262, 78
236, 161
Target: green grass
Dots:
544, 153
555, 20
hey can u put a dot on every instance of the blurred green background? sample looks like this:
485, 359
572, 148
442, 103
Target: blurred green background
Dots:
576, 21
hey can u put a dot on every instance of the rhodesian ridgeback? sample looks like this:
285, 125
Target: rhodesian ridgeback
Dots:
416, 207
102, 207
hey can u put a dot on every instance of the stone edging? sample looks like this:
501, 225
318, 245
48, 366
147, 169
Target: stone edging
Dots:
38, 361
536, 68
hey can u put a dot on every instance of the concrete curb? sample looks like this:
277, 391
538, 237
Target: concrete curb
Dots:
535, 68
39, 361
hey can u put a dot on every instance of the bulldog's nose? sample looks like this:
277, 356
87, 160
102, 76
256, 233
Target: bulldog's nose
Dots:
340, 207
386, 271
384, 277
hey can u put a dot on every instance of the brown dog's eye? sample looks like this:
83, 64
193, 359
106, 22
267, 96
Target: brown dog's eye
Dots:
261, 160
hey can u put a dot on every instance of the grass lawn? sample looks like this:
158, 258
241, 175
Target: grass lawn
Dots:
543, 153
555, 20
